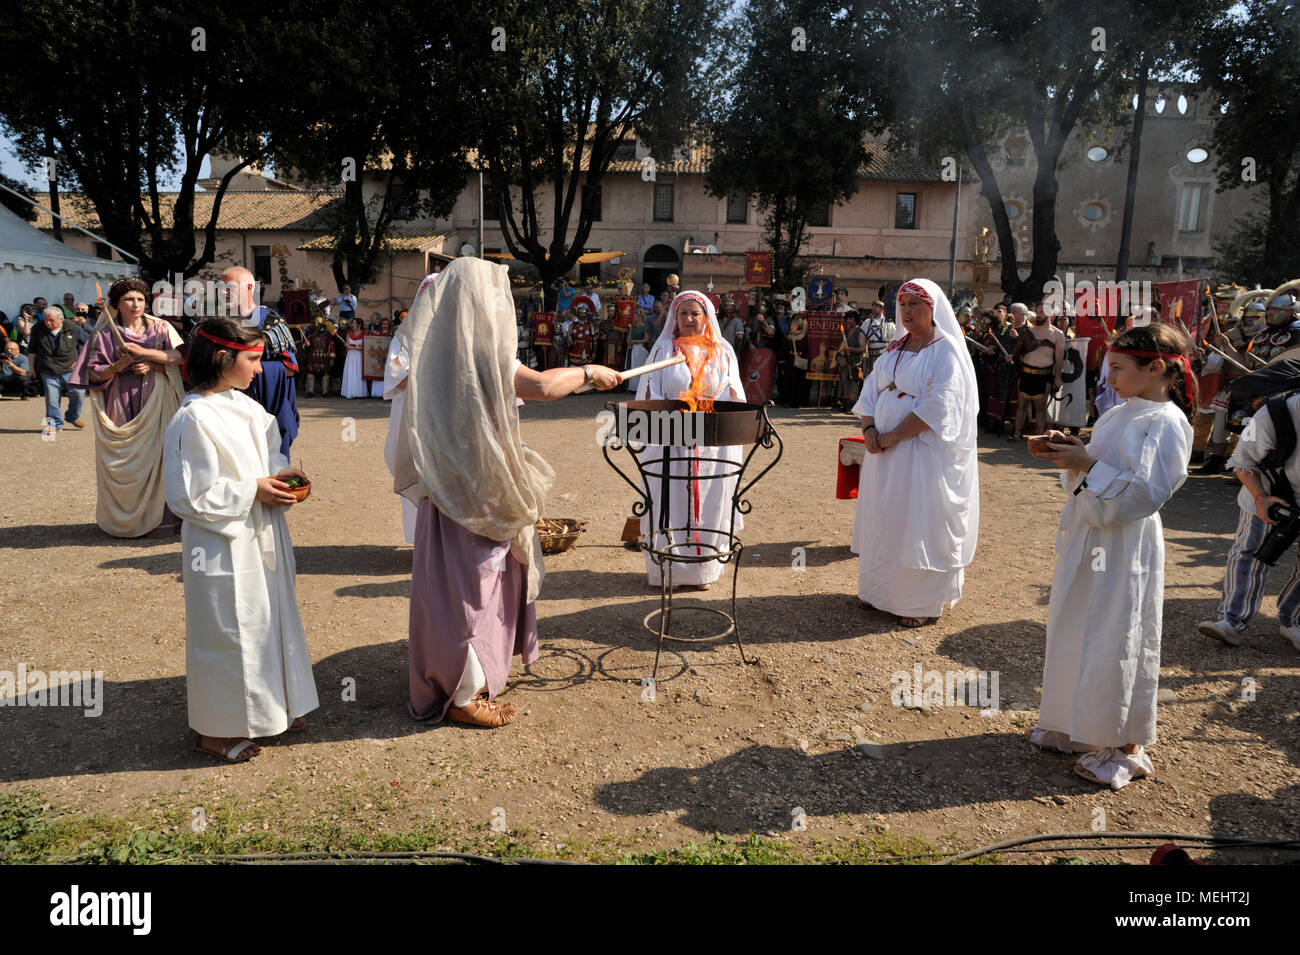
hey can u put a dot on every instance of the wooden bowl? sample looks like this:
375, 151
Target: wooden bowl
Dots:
301, 493
1038, 444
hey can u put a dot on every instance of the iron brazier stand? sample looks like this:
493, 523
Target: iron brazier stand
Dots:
667, 443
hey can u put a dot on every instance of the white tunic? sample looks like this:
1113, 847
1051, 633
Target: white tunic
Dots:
396, 369
917, 517
711, 503
354, 386
1102, 667
247, 670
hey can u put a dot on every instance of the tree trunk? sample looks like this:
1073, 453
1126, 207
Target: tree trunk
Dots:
1135, 152
992, 193
1046, 245
54, 187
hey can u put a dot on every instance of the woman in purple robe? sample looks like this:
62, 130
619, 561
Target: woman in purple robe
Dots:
479, 491
130, 368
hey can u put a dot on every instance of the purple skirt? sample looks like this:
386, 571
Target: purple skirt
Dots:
466, 591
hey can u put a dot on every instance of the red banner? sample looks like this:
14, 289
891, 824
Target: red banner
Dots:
297, 306
758, 269
624, 313
544, 328
374, 355
1180, 303
1092, 322
825, 336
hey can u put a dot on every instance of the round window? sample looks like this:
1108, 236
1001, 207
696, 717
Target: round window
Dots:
1013, 210
1093, 211
1098, 153
1197, 155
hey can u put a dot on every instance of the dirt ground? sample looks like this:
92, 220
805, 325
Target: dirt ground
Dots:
723, 748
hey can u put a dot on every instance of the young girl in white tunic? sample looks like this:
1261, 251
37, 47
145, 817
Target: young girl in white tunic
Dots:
1102, 666
247, 671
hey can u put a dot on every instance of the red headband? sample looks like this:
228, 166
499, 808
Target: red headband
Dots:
691, 297
227, 344
915, 288
1188, 393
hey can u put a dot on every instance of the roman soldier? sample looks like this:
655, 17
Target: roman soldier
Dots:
1246, 343
583, 333
1281, 330
320, 360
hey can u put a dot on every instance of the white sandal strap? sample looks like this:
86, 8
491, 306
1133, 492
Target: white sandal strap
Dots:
233, 753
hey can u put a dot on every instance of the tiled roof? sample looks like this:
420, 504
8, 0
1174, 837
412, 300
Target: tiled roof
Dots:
898, 166
400, 240
240, 211
882, 164
680, 167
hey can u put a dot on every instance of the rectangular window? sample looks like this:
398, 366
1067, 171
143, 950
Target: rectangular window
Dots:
1191, 208
405, 205
595, 197
491, 203
262, 265
820, 216
103, 251
904, 210
663, 202
738, 207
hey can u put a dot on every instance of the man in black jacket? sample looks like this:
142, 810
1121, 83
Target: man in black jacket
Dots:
53, 351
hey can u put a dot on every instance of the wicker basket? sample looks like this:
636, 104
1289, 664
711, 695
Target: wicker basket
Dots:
558, 534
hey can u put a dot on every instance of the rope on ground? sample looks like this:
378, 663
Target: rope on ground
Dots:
1217, 842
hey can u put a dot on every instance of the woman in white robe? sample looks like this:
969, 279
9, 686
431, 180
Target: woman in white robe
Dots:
1102, 666
354, 385
691, 314
247, 669
917, 519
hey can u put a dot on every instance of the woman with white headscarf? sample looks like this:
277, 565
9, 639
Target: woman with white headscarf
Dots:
918, 498
477, 565
691, 315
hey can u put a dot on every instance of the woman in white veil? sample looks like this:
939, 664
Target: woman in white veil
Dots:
479, 491
690, 315
917, 518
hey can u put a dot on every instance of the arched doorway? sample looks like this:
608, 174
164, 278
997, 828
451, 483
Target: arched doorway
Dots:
659, 262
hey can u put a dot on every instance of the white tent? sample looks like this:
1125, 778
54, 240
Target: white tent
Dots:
33, 263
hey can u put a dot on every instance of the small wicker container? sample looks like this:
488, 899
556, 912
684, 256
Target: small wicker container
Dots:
558, 534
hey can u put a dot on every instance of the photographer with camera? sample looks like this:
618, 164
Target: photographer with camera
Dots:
15, 375
1269, 468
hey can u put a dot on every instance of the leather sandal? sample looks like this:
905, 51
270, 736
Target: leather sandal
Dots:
917, 621
482, 712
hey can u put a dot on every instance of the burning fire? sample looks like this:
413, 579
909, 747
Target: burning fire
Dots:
699, 350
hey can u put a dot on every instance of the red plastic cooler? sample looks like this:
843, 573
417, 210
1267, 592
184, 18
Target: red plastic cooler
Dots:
849, 467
